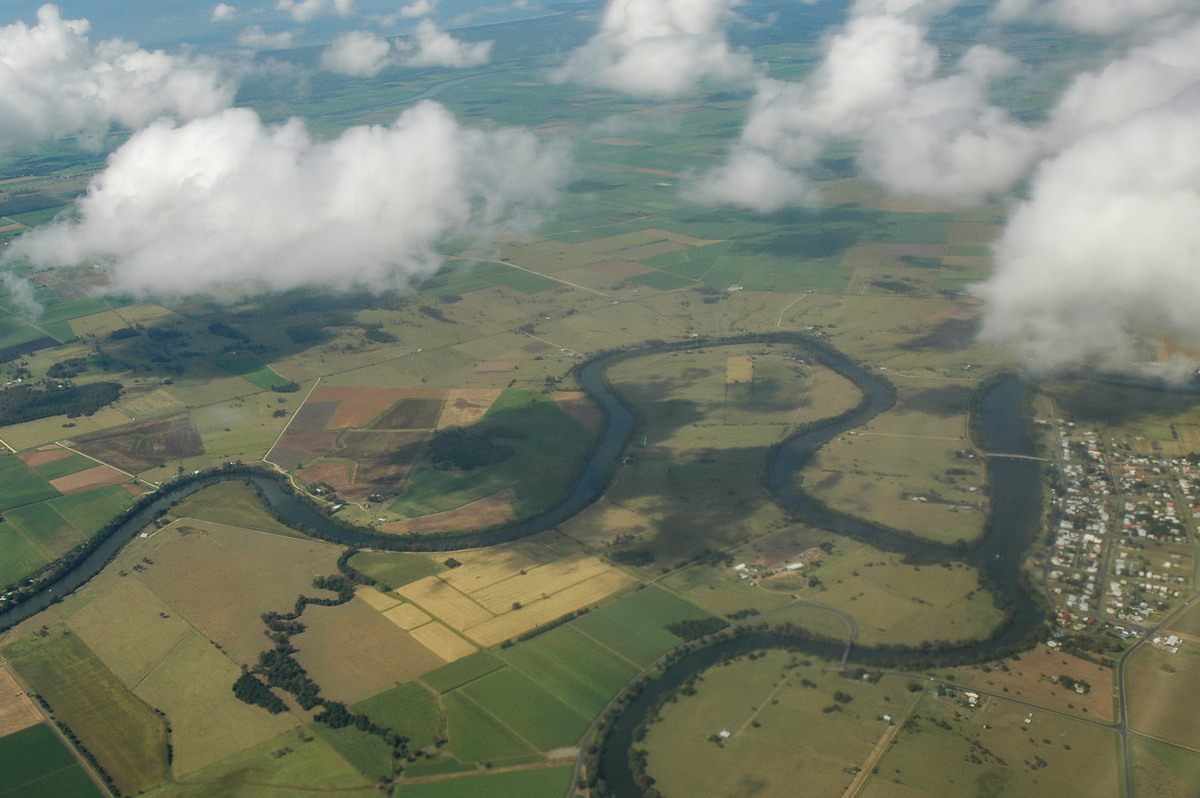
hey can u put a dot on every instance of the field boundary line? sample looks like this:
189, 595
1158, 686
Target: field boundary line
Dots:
134, 477
606, 648
531, 271
881, 747
286, 427
497, 718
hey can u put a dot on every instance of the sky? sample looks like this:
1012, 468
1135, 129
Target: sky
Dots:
1098, 253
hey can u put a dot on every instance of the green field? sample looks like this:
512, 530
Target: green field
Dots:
475, 735
369, 753
579, 672
20, 484
45, 527
64, 466
37, 764
235, 504
633, 626
529, 710
547, 782
409, 710
253, 371
125, 735
90, 510
20, 556
461, 671
394, 570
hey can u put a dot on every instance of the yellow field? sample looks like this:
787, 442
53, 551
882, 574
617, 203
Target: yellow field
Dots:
442, 600
487, 567
48, 430
577, 596
441, 641
380, 601
406, 616
16, 710
739, 369
537, 583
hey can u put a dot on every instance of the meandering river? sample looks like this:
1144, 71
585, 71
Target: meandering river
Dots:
1013, 523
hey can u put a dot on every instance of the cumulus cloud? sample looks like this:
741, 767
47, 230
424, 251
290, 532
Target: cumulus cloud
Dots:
358, 54
223, 12
1096, 16
878, 84
1102, 257
430, 46
55, 82
421, 8
659, 48
227, 203
254, 37
308, 10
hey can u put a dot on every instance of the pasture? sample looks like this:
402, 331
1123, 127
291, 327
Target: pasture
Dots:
394, 569
894, 602
1155, 678
950, 749
1162, 771
912, 468
780, 733
123, 733
37, 764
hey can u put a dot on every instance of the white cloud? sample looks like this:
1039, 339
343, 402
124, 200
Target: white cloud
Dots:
254, 37
430, 46
1102, 257
421, 8
308, 10
659, 48
227, 203
1104, 17
918, 133
223, 12
751, 179
358, 54
55, 82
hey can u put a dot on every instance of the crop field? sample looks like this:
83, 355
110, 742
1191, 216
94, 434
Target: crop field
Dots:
950, 749
479, 514
124, 734
20, 484
54, 462
145, 445
252, 370
409, 709
477, 735
395, 569
17, 710
579, 672
633, 626
533, 713
355, 653
95, 477
465, 406
37, 764
466, 670
21, 557
45, 528
90, 510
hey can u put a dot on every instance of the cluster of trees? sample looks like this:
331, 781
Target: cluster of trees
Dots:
696, 628
25, 403
66, 369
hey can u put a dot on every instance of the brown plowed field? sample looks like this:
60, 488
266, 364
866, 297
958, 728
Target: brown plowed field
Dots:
411, 414
16, 710
96, 477
490, 510
358, 407
312, 416
298, 446
43, 456
334, 474
145, 445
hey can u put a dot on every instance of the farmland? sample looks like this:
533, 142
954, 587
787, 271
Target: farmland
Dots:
448, 400
37, 763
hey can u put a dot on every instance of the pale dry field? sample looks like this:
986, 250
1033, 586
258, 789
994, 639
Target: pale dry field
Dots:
439, 639
17, 710
406, 616
465, 406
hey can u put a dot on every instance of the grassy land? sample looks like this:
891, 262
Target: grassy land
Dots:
395, 570
125, 735
409, 709
37, 764
1154, 679
549, 782
232, 503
